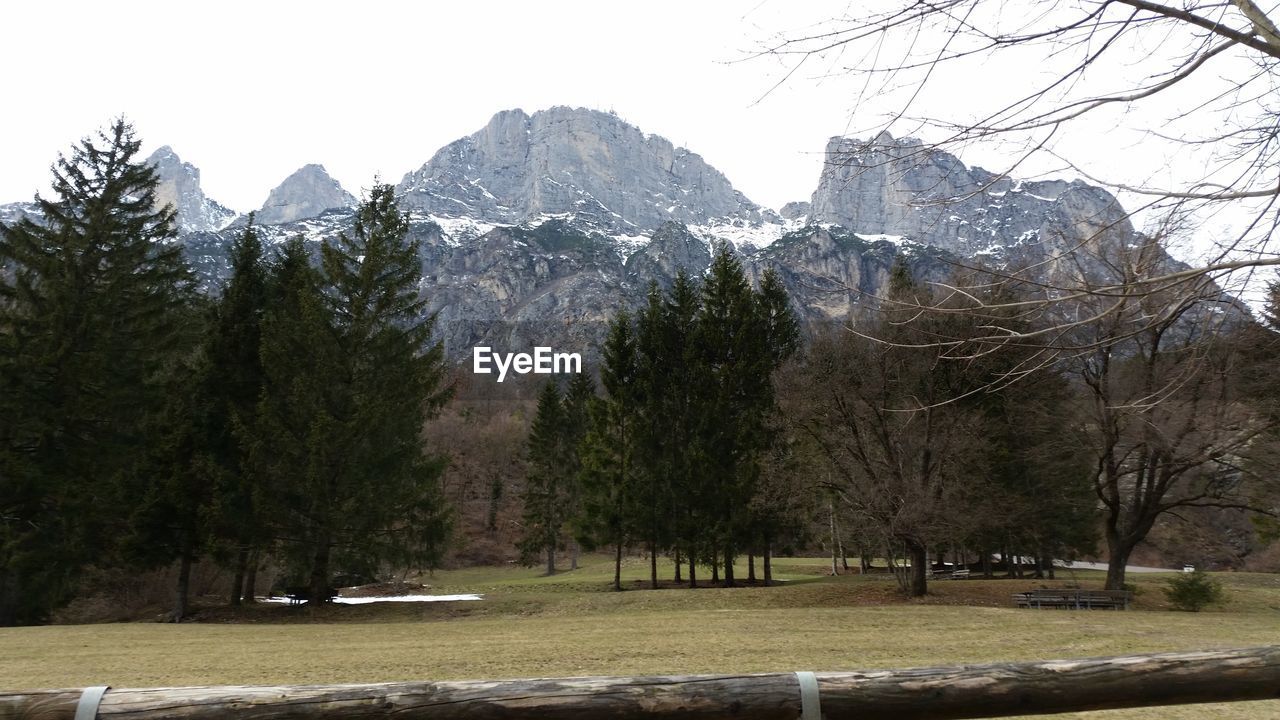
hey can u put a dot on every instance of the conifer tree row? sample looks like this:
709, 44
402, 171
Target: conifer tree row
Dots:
141, 424
671, 461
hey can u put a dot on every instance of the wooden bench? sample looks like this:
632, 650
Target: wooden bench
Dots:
949, 575
1074, 599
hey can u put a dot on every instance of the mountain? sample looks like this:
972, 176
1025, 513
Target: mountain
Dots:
308, 192
180, 186
536, 229
902, 188
573, 161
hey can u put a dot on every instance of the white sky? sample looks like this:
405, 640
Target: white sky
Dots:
249, 92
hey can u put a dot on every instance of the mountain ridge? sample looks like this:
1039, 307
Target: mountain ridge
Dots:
512, 256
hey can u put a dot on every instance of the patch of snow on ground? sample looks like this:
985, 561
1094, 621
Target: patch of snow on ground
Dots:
739, 233
895, 239
389, 598
628, 244
538, 221
458, 229
476, 184
799, 223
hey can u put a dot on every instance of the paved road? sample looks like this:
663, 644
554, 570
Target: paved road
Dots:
1103, 566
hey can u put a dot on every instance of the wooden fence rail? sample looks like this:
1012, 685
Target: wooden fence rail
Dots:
977, 691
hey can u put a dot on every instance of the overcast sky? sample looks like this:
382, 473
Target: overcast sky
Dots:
249, 92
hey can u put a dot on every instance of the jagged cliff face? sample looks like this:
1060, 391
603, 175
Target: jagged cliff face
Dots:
537, 229
900, 188
306, 193
180, 187
566, 160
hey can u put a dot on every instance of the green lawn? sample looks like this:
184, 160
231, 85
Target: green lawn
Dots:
571, 624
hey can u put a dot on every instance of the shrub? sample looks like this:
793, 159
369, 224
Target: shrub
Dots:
1194, 591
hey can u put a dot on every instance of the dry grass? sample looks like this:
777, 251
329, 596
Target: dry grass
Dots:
571, 625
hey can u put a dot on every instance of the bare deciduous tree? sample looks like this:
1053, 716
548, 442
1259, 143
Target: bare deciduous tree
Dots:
1202, 76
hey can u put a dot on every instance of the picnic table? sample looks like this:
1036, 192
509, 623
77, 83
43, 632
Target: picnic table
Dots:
1074, 599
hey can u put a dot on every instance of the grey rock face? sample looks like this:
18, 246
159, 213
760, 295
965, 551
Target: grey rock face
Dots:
545, 226
306, 193
672, 248
902, 188
180, 187
11, 213
566, 160
795, 210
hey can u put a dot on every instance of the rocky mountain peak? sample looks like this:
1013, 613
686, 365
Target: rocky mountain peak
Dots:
587, 163
180, 187
901, 188
306, 193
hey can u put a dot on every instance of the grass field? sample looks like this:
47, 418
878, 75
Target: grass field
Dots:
571, 624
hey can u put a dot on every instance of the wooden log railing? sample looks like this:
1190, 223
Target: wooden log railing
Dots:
978, 691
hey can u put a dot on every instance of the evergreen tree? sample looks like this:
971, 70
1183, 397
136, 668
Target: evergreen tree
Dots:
294, 427
578, 396
351, 378
546, 494
386, 503
173, 491
609, 449
92, 307
667, 385
676, 410
737, 361
234, 382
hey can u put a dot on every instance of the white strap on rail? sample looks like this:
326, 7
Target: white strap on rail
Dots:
87, 708
810, 705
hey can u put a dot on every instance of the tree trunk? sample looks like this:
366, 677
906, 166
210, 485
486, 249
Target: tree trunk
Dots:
237, 582
715, 568
320, 573
949, 693
617, 568
838, 539
1117, 559
986, 564
250, 593
918, 554
751, 567
677, 577
693, 573
495, 495
831, 519
184, 586
768, 565
573, 554
653, 565
728, 568
551, 559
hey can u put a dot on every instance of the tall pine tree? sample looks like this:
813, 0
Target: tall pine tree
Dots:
546, 491
609, 449
93, 303
234, 383
351, 378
